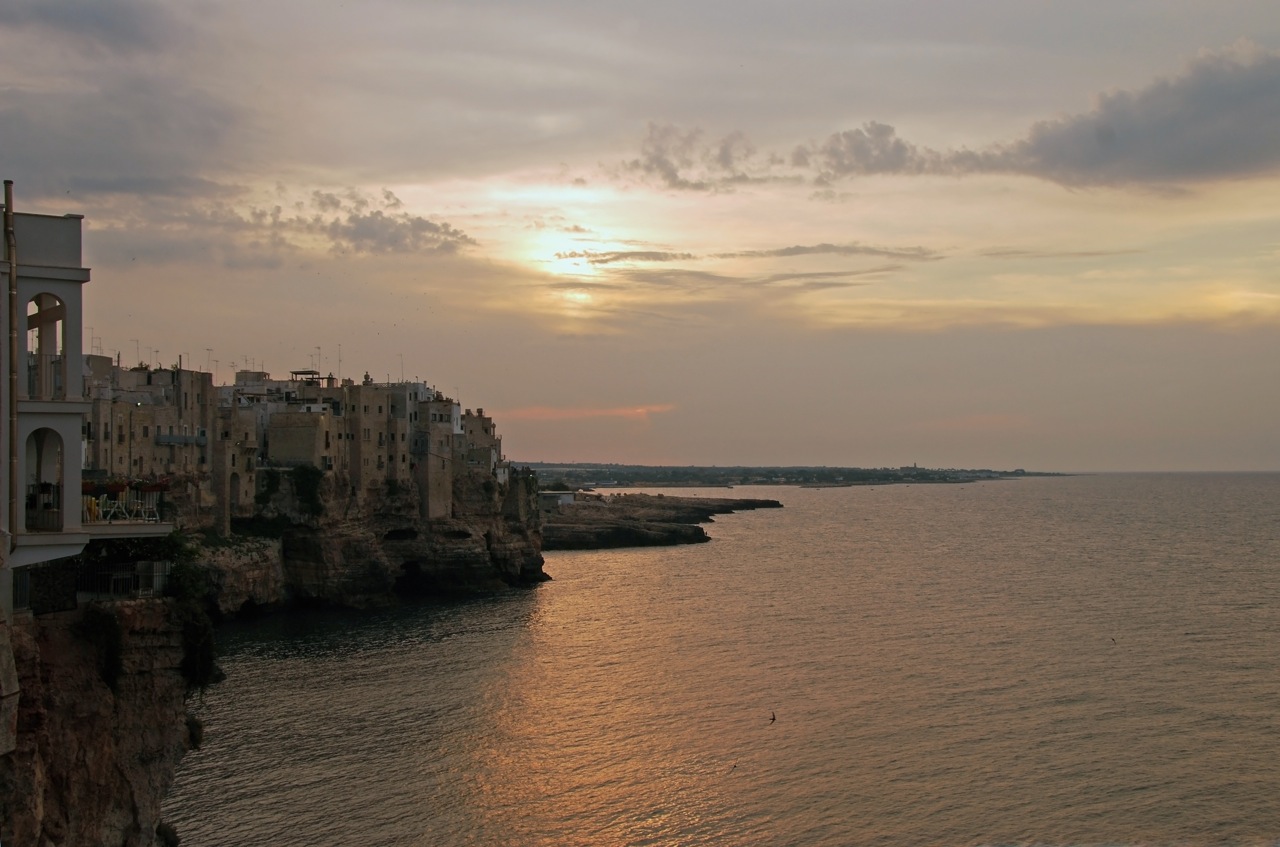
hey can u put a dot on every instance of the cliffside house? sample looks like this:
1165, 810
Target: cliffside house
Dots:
44, 513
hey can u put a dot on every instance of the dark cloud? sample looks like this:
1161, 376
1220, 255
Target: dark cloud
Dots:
681, 159
1218, 119
875, 148
667, 150
610, 257
914, 253
131, 133
394, 232
257, 236
921, 254
118, 26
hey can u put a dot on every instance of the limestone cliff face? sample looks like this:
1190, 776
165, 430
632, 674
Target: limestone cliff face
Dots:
100, 728
342, 550
246, 574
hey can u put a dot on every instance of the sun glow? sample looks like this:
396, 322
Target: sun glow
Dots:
559, 253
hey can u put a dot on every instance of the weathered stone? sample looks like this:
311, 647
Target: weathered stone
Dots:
369, 552
91, 764
637, 520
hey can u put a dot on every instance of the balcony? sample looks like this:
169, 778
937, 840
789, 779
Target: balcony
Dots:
181, 440
45, 378
44, 507
120, 505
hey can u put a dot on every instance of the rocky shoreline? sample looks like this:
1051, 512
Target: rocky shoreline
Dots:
638, 520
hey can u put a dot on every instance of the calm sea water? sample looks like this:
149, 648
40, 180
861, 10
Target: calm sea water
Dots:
1083, 660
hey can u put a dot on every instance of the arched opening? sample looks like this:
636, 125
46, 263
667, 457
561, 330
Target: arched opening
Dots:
46, 359
44, 481
235, 493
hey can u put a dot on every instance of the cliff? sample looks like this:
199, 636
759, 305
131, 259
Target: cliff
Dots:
100, 725
638, 520
330, 547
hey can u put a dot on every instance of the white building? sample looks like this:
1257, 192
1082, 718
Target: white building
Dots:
43, 513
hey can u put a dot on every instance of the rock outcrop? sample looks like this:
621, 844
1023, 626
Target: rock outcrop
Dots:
337, 549
100, 725
637, 520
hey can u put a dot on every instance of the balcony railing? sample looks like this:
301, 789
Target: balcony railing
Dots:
45, 378
181, 440
44, 507
136, 579
127, 506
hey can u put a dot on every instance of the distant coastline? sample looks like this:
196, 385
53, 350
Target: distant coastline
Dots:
603, 476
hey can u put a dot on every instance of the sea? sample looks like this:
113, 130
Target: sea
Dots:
1076, 660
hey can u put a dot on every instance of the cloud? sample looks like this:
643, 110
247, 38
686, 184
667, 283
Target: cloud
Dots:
258, 236
120, 26
608, 258
133, 133
679, 158
1217, 119
853, 249
549, 413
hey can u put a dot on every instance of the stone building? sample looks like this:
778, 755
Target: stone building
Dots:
373, 437
147, 423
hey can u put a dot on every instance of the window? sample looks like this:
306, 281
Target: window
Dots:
145, 431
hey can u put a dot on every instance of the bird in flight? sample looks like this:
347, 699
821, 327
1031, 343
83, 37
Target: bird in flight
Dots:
772, 717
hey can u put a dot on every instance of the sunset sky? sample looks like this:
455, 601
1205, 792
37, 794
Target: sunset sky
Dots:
990, 233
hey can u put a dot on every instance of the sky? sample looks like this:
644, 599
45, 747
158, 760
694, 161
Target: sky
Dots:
989, 234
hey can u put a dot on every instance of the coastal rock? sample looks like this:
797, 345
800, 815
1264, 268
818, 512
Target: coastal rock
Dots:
368, 552
247, 573
637, 520
100, 725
